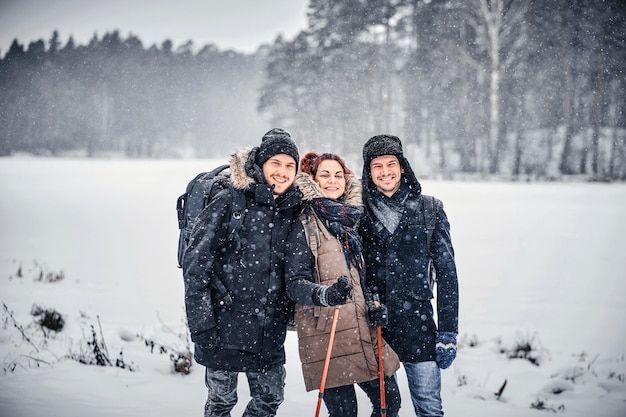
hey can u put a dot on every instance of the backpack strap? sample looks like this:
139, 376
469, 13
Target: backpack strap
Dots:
312, 237
225, 297
310, 230
237, 212
430, 211
180, 205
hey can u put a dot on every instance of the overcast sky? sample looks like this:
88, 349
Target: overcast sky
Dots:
241, 25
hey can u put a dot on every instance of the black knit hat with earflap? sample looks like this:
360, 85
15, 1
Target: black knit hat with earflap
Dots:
275, 142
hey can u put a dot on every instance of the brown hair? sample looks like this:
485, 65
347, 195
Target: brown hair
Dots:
312, 160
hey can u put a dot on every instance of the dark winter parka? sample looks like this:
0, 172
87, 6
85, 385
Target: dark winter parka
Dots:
252, 269
354, 353
397, 267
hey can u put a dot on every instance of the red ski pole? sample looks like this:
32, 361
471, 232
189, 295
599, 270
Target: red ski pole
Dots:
381, 373
327, 361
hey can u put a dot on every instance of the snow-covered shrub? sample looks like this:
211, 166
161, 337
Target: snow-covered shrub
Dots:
39, 272
181, 357
542, 404
526, 347
48, 318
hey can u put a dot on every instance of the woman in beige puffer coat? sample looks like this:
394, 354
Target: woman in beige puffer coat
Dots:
332, 197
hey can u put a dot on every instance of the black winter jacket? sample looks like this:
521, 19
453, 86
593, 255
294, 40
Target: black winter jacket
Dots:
397, 266
251, 330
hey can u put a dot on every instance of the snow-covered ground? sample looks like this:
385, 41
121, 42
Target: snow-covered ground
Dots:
541, 265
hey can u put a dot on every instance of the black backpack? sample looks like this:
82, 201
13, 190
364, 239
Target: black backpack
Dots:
199, 192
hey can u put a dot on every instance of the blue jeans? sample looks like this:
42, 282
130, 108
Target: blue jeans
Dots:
267, 391
425, 386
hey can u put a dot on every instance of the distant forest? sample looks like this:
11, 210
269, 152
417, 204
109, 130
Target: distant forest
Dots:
517, 88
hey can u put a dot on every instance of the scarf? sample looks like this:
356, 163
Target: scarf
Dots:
389, 209
341, 219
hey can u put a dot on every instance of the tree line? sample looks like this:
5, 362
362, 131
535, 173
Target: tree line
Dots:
480, 87
515, 87
115, 96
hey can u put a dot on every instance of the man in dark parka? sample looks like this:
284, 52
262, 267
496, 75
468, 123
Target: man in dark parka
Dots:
235, 289
398, 258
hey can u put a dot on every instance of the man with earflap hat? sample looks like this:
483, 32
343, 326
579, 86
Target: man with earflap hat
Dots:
380, 145
255, 268
406, 244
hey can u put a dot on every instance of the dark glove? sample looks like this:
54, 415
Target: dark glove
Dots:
339, 292
208, 339
378, 315
336, 294
445, 349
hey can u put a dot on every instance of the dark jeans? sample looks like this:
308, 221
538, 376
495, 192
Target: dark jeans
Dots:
267, 391
342, 402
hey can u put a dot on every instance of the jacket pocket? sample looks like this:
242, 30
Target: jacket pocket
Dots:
240, 330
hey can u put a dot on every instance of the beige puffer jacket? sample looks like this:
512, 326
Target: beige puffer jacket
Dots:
354, 353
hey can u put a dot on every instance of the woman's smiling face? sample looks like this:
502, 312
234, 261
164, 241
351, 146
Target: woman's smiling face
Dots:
331, 179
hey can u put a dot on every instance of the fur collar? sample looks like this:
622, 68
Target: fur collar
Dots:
311, 189
239, 178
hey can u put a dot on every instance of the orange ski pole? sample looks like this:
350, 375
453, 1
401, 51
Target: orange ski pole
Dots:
327, 361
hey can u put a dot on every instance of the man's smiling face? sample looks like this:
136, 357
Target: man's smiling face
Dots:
386, 173
280, 171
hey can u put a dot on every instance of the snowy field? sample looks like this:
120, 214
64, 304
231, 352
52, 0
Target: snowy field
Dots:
542, 269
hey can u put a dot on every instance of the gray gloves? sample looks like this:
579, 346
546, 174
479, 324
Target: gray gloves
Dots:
333, 295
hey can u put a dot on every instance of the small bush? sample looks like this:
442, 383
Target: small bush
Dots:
48, 318
120, 363
40, 273
540, 404
51, 277
96, 352
526, 347
468, 341
181, 360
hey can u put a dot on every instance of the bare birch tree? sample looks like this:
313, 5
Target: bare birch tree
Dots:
500, 35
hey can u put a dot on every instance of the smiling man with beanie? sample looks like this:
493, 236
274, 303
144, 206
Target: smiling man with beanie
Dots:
276, 141
406, 244
236, 288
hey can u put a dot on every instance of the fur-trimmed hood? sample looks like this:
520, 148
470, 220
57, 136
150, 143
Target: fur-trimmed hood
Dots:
310, 189
247, 177
239, 177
